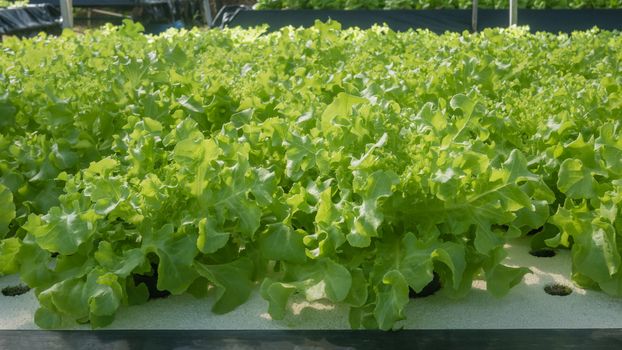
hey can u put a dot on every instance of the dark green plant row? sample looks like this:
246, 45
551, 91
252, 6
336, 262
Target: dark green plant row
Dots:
346, 165
432, 4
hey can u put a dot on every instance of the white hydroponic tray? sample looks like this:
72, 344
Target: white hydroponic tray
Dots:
526, 306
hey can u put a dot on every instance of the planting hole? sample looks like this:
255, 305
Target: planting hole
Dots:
557, 289
534, 231
151, 281
428, 290
543, 253
14, 291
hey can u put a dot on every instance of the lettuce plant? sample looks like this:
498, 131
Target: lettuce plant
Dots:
345, 165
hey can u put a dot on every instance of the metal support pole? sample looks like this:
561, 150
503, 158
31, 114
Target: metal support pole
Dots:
513, 12
207, 13
66, 13
474, 17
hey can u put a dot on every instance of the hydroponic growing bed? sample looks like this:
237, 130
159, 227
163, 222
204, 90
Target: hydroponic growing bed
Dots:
347, 169
436, 20
23, 19
528, 306
436, 15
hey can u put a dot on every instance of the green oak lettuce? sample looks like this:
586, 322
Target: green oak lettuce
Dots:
343, 165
